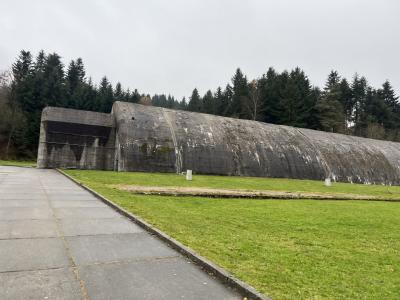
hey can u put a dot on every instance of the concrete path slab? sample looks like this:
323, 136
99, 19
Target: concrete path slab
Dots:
32, 254
43, 284
176, 278
84, 212
71, 227
101, 248
57, 241
62, 197
76, 203
22, 203
28, 229
25, 213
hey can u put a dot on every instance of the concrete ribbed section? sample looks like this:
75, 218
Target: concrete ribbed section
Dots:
215, 145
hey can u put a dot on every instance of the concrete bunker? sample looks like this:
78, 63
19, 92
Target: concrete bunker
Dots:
135, 137
72, 138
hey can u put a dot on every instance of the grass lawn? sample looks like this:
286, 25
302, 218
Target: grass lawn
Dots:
300, 249
18, 163
233, 182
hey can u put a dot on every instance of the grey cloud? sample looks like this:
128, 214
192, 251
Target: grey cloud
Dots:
173, 46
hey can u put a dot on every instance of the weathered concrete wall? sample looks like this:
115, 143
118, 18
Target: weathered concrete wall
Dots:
79, 139
142, 138
163, 140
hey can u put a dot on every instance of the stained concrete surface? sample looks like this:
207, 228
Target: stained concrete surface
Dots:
57, 241
135, 137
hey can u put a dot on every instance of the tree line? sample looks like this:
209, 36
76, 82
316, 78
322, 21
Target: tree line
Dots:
350, 107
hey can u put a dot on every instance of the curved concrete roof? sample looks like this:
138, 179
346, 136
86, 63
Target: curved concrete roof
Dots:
158, 139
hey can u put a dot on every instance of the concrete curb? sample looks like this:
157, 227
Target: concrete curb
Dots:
222, 275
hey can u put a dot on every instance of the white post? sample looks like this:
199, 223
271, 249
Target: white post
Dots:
189, 175
328, 182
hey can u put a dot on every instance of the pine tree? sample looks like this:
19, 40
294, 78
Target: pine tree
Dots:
208, 103
374, 116
388, 96
219, 100
195, 102
105, 96
227, 99
170, 102
346, 99
22, 88
38, 78
134, 97
359, 87
330, 110
89, 96
240, 95
270, 96
118, 93
183, 105
75, 82
294, 99
54, 93
313, 120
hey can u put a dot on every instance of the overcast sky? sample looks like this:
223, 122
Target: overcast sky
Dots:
172, 46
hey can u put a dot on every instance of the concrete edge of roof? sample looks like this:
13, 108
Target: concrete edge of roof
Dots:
222, 275
70, 115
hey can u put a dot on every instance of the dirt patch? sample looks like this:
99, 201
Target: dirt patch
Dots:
251, 194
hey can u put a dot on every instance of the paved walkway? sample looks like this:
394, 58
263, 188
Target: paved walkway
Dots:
57, 241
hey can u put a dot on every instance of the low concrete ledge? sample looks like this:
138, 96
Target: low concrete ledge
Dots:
225, 277
245, 194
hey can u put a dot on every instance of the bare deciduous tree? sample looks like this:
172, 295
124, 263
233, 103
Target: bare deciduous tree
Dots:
253, 103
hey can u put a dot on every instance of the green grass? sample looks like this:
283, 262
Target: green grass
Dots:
234, 182
301, 249
18, 163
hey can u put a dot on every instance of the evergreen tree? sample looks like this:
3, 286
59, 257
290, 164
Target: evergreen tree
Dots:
208, 103
105, 96
38, 79
75, 81
346, 99
374, 116
313, 120
269, 87
118, 93
226, 103
170, 102
295, 102
240, 95
54, 88
220, 104
330, 114
134, 97
89, 96
22, 85
388, 96
281, 98
359, 87
183, 104
330, 110
195, 102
